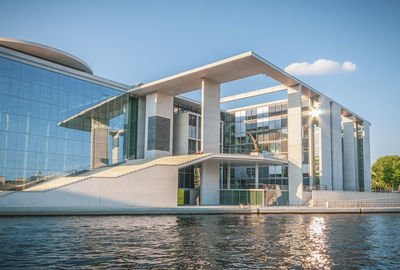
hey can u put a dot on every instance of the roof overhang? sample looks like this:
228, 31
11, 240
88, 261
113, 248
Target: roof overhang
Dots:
223, 71
46, 53
104, 110
230, 69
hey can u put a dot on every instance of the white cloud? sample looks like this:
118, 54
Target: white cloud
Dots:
321, 66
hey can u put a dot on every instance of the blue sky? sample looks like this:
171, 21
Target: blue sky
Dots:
142, 41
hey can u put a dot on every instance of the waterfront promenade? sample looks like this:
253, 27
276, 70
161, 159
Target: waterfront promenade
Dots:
190, 210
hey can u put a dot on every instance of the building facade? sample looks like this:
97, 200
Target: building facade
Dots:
58, 120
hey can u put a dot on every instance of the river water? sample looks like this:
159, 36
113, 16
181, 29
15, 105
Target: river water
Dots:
336, 241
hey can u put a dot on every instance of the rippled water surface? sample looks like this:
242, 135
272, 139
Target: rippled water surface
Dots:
206, 241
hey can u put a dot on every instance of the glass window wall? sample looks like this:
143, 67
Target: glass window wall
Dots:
43, 131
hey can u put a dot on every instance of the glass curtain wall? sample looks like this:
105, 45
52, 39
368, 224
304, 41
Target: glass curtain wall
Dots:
188, 184
194, 133
360, 155
33, 103
266, 123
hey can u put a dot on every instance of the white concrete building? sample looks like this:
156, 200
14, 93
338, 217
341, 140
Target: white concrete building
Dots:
146, 146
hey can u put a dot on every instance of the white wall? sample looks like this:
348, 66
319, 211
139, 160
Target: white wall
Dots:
337, 154
295, 145
325, 141
159, 104
349, 154
367, 158
152, 187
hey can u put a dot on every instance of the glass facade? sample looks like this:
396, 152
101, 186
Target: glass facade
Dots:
188, 184
37, 140
360, 155
194, 133
267, 123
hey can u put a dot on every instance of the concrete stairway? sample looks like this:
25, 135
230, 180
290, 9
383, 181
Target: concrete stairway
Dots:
118, 171
56, 183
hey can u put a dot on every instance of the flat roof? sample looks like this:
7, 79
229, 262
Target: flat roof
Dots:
226, 70
230, 69
107, 109
46, 53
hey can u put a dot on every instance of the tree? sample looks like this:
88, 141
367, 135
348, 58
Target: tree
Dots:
386, 173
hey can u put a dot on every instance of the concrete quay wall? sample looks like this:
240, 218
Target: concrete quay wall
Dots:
100, 211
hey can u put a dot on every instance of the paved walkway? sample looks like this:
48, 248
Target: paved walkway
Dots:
202, 210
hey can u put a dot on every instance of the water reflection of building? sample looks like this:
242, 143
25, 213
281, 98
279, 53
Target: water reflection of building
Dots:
58, 118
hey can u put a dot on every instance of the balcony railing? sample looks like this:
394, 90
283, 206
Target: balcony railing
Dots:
256, 186
344, 188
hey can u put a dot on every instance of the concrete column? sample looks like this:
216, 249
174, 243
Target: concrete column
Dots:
159, 123
349, 154
228, 176
337, 155
99, 144
257, 177
311, 148
295, 145
367, 158
209, 186
325, 142
210, 116
181, 131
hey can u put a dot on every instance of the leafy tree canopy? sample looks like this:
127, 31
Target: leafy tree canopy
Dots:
386, 173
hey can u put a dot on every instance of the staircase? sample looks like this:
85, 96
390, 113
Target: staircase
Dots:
120, 170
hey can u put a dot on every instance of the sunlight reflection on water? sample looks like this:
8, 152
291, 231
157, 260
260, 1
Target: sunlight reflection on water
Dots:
208, 242
318, 244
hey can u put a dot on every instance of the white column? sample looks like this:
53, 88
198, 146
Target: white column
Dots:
209, 186
325, 142
367, 158
337, 155
210, 116
181, 131
256, 180
159, 123
295, 145
349, 154
310, 148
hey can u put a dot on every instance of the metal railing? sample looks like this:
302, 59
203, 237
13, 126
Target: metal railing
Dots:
345, 188
246, 151
255, 186
355, 204
16, 185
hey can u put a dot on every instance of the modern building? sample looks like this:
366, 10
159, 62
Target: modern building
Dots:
69, 138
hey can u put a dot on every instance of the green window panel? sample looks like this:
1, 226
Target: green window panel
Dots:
181, 196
